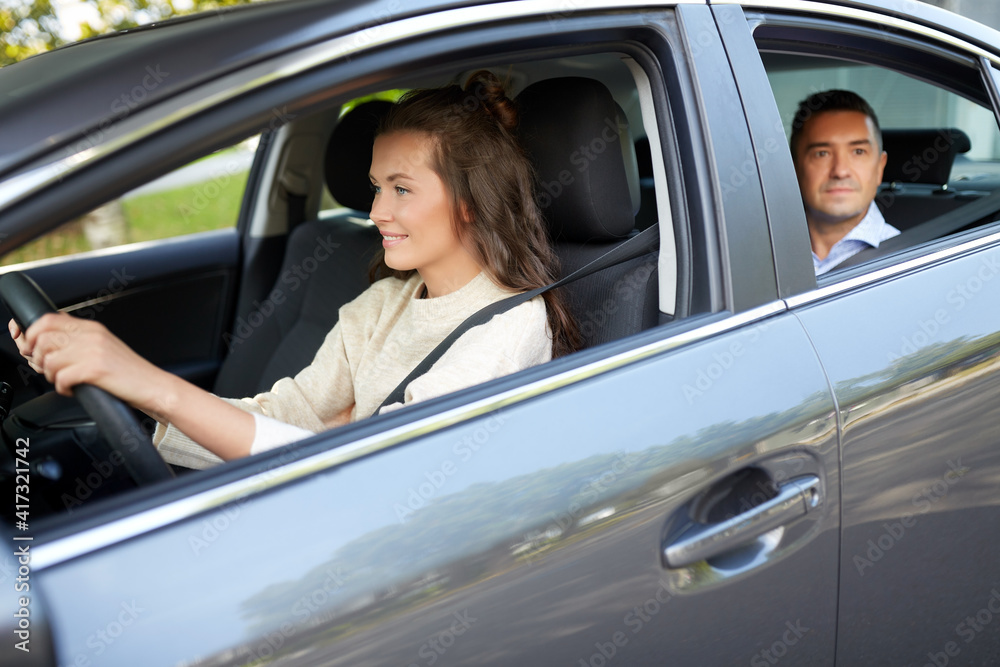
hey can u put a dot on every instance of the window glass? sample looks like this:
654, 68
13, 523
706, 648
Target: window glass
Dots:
899, 100
942, 142
201, 196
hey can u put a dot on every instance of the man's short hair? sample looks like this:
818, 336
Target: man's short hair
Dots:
831, 100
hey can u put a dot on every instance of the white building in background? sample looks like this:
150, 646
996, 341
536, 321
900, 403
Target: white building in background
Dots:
984, 11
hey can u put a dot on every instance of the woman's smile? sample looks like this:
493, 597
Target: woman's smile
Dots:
389, 240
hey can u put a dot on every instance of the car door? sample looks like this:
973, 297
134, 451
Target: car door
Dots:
169, 252
532, 533
670, 496
909, 343
165, 255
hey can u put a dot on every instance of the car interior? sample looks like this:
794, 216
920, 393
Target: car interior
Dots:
587, 215
585, 128
938, 130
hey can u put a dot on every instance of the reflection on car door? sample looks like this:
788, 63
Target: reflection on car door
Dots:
913, 363
529, 535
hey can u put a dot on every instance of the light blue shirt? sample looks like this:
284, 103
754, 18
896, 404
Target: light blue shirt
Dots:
872, 230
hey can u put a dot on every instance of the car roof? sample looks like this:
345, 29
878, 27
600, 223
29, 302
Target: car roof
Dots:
55, 98
914, 11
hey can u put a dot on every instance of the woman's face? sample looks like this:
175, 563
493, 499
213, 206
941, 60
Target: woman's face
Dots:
413, 212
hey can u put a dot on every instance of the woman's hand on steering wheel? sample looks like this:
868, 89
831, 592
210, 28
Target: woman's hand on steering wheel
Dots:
69, 351
60, 347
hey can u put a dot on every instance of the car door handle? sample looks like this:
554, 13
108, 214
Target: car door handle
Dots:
795, 499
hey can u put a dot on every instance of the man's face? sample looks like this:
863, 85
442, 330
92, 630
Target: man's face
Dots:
839, 166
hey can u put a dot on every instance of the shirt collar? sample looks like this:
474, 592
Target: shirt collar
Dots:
873, 229
870, 232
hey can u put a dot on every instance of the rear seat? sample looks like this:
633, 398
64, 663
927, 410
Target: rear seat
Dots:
915, 181
325, 266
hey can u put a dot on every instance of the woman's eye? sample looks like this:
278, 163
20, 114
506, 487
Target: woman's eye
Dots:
375, 189
400, 190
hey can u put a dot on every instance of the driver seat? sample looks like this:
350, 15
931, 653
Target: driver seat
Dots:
579, 141
325, 266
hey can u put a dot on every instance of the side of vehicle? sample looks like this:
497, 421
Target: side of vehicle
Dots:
539, 480
909, 344
727, 487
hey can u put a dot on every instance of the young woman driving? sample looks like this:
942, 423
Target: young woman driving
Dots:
460, 229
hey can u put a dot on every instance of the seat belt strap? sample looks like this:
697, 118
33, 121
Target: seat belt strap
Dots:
642, 243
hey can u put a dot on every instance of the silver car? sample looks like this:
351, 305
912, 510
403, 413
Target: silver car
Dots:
744, 466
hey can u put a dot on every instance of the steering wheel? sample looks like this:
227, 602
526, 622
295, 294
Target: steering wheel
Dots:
115, 421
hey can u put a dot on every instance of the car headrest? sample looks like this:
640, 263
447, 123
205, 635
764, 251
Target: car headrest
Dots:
349, 155
578, 140
922, 155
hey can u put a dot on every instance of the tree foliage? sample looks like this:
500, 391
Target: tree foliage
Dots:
28, 27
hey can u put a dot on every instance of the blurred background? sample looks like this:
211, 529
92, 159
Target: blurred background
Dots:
984, 11
32, 26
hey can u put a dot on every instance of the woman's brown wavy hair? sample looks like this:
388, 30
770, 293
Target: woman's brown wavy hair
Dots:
491, 181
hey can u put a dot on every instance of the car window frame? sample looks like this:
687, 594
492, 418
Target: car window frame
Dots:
729, 194
201, 191
837, 24
992, 81
786, 217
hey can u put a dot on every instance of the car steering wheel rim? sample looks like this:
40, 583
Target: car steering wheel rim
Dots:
114, 419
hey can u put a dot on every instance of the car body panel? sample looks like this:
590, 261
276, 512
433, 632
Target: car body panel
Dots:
793, 270
743, 223
107, 79
891, 15
478, 521
909, 348
920, 462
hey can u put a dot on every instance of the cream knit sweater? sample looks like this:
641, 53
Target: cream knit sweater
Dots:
379, 338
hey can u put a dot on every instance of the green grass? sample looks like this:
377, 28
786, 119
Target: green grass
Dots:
66, 240
201, 207
386, 95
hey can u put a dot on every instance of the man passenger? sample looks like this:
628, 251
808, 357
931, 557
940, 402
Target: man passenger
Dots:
836, 147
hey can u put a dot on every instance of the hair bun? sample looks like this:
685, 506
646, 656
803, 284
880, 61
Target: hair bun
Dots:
488, 89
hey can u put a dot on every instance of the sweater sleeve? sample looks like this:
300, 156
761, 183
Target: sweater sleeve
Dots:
318, 397
270, 433
510, 342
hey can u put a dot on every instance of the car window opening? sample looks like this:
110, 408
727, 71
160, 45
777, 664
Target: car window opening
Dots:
943, 148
